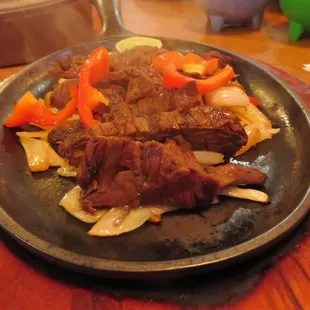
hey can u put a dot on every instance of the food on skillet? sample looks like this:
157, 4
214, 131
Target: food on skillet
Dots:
145, 131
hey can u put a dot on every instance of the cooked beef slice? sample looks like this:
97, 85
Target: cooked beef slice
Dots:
68, 67
223, 59
115, 94
233, 174
137, 82
151, 100
61, 94
65, 130
182, 112
69, 140
118, 171
206, 128
181, 99
138, 56
174, 112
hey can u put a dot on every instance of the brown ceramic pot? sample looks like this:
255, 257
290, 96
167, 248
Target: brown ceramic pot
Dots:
31, 29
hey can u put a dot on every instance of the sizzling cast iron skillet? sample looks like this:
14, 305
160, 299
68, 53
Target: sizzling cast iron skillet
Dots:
184, 241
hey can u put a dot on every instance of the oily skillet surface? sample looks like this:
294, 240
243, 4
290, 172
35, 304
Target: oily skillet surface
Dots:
184, 240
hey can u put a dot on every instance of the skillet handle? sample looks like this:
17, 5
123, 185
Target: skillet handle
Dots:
110, 15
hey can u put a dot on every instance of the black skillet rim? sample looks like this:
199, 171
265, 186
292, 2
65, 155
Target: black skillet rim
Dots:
125, 269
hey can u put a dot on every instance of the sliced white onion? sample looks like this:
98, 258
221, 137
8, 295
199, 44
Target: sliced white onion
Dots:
67, 171
194, 68
53, 109
114, 221
47, 98
33, 134
256, 124
268, 133
252, 115
36, 153
73, 117
237, 100
158, 211
61, 80
254, 137
120, 220
40, 155
46, 128
207, 158
256, 134
161, 209
227, 96
54, 159
71, 203
244, 193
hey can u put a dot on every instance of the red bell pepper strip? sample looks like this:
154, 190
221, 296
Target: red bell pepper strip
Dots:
92, 72
254, 101
163, 60
182, 61
211, 66
207, 66
174, 79
28, 110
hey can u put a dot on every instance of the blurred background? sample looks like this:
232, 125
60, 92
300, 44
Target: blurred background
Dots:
35, 28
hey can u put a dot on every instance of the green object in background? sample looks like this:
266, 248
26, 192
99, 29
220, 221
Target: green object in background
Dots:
298, 13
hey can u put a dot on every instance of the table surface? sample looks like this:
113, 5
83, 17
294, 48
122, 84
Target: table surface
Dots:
286, 286
185, 20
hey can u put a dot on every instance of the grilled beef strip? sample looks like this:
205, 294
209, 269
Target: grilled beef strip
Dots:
206, 128
61, 94
177, 111
233, 174
117, 171
68, 67
140, 56
69, 140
